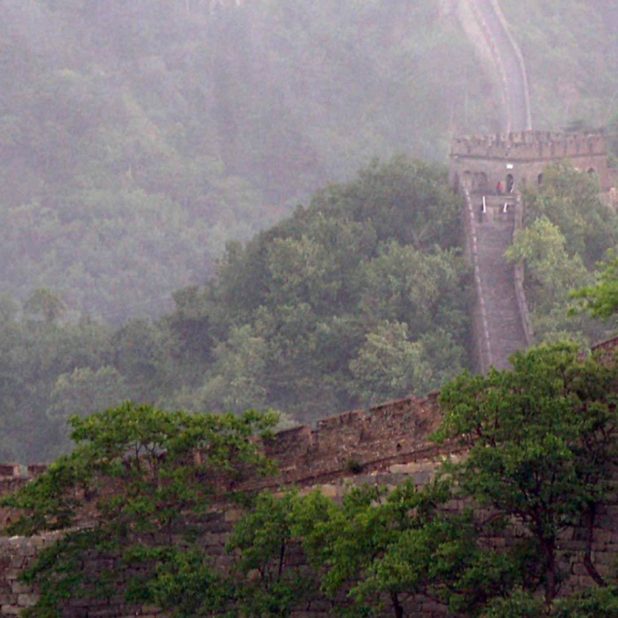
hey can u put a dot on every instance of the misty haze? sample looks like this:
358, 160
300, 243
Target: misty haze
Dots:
139, 138
308, 308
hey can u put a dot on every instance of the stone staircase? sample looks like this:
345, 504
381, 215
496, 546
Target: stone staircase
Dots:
502, 320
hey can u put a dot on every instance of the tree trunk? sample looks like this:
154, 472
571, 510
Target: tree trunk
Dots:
551, 579
588, 564
397, 608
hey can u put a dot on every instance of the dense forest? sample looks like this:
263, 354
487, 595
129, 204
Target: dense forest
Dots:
144, 146
360, 296
136, 138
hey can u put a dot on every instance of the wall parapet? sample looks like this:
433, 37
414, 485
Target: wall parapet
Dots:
519, 275
392, 432
530, 145
391, 443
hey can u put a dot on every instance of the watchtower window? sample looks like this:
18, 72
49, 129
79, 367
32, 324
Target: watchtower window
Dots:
479, 181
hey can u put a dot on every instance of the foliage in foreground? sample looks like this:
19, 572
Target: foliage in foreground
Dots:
540, 441
140, 478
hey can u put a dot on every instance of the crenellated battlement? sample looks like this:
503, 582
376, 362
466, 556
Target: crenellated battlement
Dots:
520, 158
384, 434
530, 145
386, 444
392, 432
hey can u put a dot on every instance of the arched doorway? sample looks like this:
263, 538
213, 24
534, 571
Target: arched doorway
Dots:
510, 183
483, 184
539, 179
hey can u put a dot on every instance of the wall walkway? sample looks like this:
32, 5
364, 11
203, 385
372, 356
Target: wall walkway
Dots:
487, 29
500, 317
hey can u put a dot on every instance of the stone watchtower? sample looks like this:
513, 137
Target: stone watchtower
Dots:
518, 159
501, 324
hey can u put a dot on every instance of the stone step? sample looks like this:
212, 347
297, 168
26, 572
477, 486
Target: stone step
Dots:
494, 233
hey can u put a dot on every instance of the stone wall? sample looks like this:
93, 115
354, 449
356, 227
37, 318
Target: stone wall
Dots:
500, 319
387, 444
480, 321
486, 159
530, 145
373, 439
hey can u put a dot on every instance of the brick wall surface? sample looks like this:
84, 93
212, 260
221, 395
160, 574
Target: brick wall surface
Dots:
388, 444
487, 159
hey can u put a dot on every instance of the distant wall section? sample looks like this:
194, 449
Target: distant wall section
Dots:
484, 160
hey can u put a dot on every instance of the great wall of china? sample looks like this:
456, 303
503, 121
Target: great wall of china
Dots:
385, 445
390, 443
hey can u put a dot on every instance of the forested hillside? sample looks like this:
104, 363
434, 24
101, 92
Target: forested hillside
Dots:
571, 53
137, 137
358, 297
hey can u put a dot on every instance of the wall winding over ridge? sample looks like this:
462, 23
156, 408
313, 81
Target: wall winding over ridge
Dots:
487, 29
386, 444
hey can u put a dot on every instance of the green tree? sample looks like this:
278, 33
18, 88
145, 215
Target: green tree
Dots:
589, 604
519, 604
551, 274
237, 375
381, 548
268, 577
602, 299
408, 285
140, 354
289, 318
35, 353
43, 303
389, 365
554, 273
541, 439
162, 466
570, 200
85, 391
